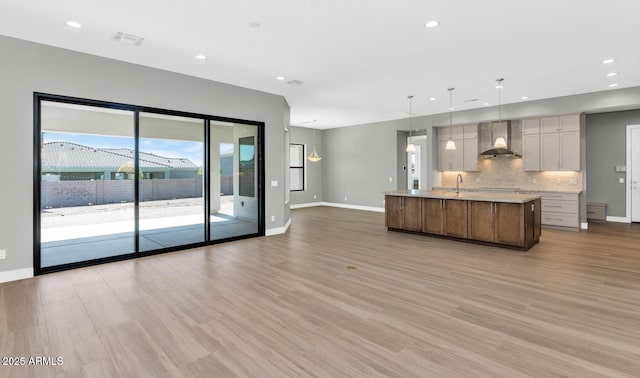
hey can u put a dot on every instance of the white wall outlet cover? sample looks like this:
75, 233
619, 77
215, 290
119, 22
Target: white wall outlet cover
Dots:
390, 179
3, 254
273, 218
274, 183
314, 196
621, 180
345, 198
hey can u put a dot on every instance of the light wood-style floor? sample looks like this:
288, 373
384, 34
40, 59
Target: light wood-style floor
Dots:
287, 305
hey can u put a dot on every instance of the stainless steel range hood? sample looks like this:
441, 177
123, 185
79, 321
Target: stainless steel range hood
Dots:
501, 132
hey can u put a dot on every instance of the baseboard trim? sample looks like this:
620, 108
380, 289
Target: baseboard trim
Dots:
303, 205
618, 219
340, 205
15, 275
278, 230
354, 207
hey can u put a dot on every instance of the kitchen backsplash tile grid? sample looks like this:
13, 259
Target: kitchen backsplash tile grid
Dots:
507, 173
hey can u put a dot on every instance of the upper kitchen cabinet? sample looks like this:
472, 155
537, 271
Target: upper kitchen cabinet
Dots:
465, 156
531, 144
556, 145
560, 124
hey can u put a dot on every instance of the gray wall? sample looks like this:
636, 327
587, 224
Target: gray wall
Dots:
606, 148
359, 160
313, 170
27, 67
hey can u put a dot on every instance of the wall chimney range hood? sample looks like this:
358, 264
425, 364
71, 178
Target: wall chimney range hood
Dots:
500, 141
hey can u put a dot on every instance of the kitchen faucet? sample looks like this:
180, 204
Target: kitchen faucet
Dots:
458, 181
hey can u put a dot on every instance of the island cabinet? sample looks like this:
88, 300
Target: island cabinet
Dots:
444, 217
516, 224
509, 220
404, 213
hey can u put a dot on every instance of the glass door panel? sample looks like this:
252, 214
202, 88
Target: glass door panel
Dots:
171, 191
86, 196
234, 200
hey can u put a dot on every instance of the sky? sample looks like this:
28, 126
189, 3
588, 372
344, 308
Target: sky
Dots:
163, 147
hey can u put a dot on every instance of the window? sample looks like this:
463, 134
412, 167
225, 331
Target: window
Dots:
296, 167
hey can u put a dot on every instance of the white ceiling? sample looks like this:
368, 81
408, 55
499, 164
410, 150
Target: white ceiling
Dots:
359, 59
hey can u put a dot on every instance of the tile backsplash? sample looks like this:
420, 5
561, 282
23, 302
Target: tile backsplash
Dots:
507, 173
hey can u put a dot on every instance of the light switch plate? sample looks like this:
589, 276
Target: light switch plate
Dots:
274, 183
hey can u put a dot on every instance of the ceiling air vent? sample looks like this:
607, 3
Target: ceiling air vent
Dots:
128, 38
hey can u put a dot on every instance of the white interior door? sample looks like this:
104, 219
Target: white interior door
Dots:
413, 174
634, 168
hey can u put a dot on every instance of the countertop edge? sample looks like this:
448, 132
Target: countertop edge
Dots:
468, 196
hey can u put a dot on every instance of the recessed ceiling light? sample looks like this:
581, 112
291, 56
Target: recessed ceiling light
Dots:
201, 57
524, 98
74, 24
432, 24
613, 85
498, 86
486, 104
608, 61
612, 74
432, 98
452, 108
280, 78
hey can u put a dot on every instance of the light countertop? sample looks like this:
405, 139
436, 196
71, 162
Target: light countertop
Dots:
507, 190
467, 196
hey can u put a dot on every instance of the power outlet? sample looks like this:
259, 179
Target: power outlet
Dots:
314, 196
345, 198
390, 179
273, 218
3, 254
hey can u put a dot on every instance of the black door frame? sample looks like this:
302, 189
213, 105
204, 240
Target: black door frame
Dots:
38, 98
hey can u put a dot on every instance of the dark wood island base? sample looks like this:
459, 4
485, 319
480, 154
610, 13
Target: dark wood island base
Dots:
504, 220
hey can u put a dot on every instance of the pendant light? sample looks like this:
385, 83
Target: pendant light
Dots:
451, 145
410, 146
500, 142
314, 156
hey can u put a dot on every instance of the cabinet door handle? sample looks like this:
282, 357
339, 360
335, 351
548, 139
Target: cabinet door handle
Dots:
444, 204
552, 206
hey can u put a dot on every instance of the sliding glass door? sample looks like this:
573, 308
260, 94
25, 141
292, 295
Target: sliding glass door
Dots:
171, 191
86, 190
235, 200
116, 181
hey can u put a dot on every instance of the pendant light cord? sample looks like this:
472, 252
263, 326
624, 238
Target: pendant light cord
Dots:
499, 100
410, 115
451, 106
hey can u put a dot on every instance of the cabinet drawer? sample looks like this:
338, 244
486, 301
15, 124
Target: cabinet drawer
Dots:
558, 219
558, 206
559, 196
597, 211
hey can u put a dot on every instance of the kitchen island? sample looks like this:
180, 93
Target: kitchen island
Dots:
504, 219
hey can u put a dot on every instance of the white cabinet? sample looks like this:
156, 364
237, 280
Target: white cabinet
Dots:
531, 152
560, 151
551, 143
470, 132
450, 160
559, 210
530, 126
465, 156
470, 155
562, 123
